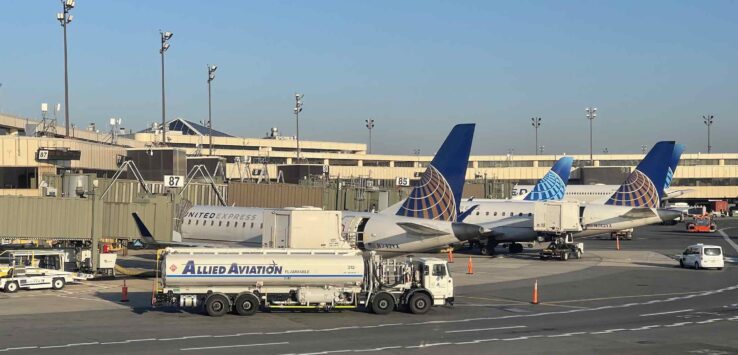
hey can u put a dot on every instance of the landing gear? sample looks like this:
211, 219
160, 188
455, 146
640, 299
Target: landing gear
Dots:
515, 248
487, 248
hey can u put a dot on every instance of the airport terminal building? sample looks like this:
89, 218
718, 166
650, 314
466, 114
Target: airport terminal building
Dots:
31, 149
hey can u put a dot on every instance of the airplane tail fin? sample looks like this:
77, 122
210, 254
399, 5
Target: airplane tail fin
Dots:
675, 157
644, 187
553, 185
146, 235
438, 194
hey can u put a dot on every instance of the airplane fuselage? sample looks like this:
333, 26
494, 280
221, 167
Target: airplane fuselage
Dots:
367, 231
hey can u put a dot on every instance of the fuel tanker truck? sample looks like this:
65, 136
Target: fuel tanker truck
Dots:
246, 280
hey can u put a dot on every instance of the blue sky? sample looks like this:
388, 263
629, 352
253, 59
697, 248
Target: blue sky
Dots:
417, 67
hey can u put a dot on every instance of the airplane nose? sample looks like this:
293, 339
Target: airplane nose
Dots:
668, 215
466, 231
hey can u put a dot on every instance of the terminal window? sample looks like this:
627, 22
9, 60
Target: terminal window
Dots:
18, 178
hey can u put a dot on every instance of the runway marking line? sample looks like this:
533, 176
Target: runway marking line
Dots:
631, 296
232, 346
727, 238
518, 338
663, 313
483, 329
466, 320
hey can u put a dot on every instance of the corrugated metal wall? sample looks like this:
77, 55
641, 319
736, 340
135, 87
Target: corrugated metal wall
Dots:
38, 217
71, 218
274, 195
128, 190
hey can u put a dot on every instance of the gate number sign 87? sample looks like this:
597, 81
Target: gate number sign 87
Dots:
173, 181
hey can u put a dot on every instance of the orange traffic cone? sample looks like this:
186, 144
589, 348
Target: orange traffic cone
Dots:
469, 267
450, 255
617, 243
124, 292
535, 293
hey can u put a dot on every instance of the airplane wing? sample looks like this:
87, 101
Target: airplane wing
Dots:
637, 213
676, 193
420, 230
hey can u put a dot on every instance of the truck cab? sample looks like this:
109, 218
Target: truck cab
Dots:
437, 280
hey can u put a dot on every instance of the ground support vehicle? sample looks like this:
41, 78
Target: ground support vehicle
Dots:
701, 224
701, 256
35, 269
246, 280
626, 234
562, 251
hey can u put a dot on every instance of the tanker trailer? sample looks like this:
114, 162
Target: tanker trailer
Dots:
246, 280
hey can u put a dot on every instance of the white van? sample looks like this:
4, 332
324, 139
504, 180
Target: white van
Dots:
701, 256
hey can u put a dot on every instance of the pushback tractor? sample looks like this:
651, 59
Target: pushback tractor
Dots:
246, 280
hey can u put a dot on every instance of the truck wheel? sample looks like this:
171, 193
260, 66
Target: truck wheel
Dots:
11, 287
484, 250
216, 305
57, 284
247, 304
383, 303
565, 256
420, 303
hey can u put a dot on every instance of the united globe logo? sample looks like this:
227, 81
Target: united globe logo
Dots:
551, 187
431, 199
637, 191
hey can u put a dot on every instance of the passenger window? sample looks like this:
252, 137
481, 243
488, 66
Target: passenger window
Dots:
244, 225
212, 223
520, 214
487, 213
189, 221
197, 222
439, 270
477, 213
220, 223
228, 224
530, 214
503, 214
495, 213
252, 225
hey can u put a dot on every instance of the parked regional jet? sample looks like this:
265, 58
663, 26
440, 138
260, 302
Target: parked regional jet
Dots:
634, 204
601, 193
426, 221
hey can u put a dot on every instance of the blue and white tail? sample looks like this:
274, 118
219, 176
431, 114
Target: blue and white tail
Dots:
553, 185
676, 155
644, 187
438, 193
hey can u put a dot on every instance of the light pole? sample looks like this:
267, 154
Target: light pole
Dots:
540, 149
65, 18
165, 37
297, 110
591, 115
709, 120
211, 76
536, 122
370, 126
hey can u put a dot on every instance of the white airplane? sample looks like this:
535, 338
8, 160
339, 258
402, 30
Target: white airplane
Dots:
426, 221
635, 203
601, 193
